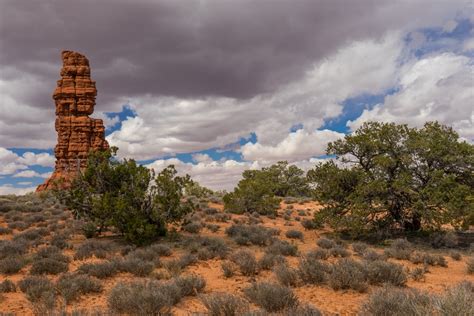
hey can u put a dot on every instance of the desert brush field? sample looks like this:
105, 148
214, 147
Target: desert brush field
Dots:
217, 263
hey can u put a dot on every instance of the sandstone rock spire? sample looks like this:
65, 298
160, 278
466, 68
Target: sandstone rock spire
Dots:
77, 132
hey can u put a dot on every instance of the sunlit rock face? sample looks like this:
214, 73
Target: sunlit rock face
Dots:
77, 132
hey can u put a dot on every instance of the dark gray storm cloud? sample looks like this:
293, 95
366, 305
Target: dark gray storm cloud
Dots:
188, 48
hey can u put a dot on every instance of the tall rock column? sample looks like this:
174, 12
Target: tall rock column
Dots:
77, 132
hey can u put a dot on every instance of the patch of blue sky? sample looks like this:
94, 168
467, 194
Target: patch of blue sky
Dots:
126, 112
437, 39
20, 182
21, 151
353, 108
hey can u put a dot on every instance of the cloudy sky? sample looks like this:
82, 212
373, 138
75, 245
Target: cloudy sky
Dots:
216, 86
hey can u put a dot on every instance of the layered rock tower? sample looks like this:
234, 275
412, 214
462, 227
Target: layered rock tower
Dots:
77, 132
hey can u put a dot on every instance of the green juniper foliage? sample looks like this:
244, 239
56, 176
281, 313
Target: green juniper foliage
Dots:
127, 196
392, 176
258, 189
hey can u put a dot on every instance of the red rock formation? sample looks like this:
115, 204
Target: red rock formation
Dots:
77, 132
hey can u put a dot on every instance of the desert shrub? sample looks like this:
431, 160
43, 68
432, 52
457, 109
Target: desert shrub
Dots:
418, 257
5, 231
339, 251
228, 268
268, 260
19, 225
48, 266
294, 234
359, 248
100, 270
176, 266
224, 304
309, 224
96, 248
371, 255
143, 298
282, 247
210, 210
400, 249
127, 196
213, 227
7, 286
348, 274
318, 254
252, 220
204, 254
190, 285
216, 246
326, 243
455, 255
207, 247
59, 241
72, 286
222, 217
418, 273
440, 239
192, 227
441, 261
286, 275
379, 272
147, 254
32, 234
470, 265
301, 310
428, 259
457, 300
246, 262
135, 266
11, 265
50, 252
161, 249
420, 177
9, 248
271, 296
250, 234
313, 271
397, 302
38, 290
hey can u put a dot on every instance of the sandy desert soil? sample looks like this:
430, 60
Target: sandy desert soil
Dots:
330, 302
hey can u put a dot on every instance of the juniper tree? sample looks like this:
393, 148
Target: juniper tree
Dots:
392, 176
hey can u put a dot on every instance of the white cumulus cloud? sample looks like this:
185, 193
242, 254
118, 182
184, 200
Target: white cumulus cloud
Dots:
438, 87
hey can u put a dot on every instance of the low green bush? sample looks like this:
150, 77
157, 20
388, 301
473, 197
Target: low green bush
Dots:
282, 247
99, 270
246, 262
294, 234
313, 271
325, 243
143, 298
190, 285
348, 274
380, 272
48, 266
286, 275
12, 265
224, 304
72, 286
7, 286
